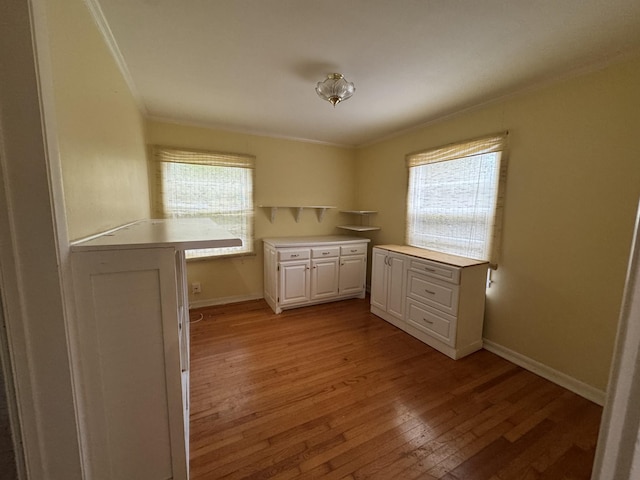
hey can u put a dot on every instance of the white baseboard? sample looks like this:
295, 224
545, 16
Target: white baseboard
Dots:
562, 379
224, 300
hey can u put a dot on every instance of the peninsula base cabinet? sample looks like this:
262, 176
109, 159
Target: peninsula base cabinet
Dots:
131, 347
132, 363
301, 271
435, 297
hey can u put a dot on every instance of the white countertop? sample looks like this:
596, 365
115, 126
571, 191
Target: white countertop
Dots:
447, 258
313, 240
180, 233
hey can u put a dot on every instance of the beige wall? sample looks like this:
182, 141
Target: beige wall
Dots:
287, 173
572, 190
99, 126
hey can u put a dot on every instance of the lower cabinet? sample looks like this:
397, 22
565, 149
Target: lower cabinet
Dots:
435, 297
133, 362
130, 346
387, 285
300, 271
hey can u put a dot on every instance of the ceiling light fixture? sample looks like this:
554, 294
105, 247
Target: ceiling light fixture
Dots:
335, 89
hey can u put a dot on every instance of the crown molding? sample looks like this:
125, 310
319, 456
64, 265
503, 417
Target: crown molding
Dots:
101, 22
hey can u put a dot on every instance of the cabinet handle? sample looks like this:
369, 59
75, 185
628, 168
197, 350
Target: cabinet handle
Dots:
430, 322
429, 269
429, 292
295, 256
353, 251
326, 253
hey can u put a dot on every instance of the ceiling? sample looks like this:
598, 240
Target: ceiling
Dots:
252, 65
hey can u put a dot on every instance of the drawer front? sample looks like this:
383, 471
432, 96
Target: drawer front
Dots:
325, 252
293, 254
432, 322
436, 293
357, 249
437, 270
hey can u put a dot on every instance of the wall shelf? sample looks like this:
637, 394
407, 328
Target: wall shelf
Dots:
297, 210
363, 226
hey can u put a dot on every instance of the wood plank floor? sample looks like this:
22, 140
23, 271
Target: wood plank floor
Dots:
334, 392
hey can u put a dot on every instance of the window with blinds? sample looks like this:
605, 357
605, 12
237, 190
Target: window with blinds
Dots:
191, 183
455, 198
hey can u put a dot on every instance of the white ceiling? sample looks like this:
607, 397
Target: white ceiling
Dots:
252, 65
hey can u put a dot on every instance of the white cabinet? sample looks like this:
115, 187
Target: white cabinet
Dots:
131, 358
435, 297
387, 285
300, 271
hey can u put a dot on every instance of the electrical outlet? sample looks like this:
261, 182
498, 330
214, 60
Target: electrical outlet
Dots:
196, 287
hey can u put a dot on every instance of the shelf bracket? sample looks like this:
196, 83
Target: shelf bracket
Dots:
320, 213
297, 211
274, 210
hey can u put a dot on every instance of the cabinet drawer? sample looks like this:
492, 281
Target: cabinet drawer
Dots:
358, 249
325, 252
437, 270
431, 322
436, 293
293, 254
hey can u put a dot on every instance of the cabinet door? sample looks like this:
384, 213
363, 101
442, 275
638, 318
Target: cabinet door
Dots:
324, 278
352, 274
379, 278
128, 360
294, 282
395, 285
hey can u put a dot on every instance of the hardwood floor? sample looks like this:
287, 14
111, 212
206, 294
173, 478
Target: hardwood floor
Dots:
333, 392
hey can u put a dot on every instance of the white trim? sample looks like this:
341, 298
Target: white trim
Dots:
562, 379
243, 131
98, 16
33, 292
618, 450
210, 302
44, 71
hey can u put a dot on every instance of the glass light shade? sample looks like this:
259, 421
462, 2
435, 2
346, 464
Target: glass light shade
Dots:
335, 89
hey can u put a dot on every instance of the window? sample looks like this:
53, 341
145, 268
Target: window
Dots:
190, 183
455, 198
